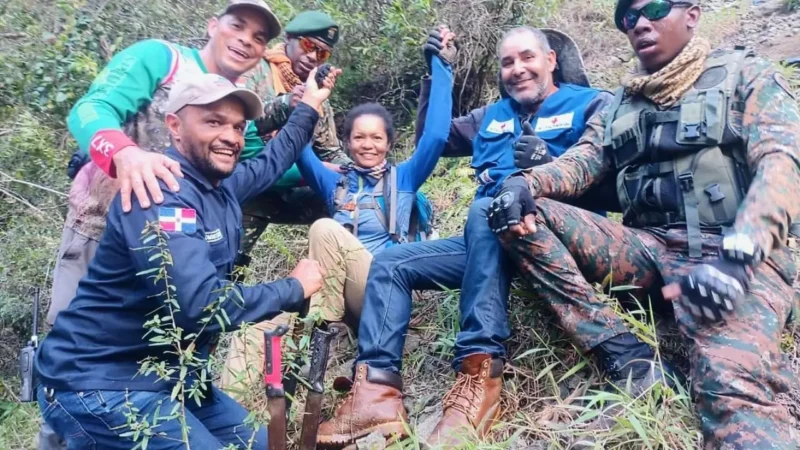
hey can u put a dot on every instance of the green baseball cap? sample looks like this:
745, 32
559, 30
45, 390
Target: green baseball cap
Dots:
314, 24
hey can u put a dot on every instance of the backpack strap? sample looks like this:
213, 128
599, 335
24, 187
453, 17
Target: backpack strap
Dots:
393, 202
619, 94
380, 186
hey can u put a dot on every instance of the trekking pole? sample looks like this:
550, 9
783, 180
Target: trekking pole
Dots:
273, 383
320, 346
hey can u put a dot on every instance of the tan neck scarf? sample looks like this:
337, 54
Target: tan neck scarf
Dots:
668, 85
277, 56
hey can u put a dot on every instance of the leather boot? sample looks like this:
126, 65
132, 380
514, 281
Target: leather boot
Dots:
472, 405
374, 403
625, 356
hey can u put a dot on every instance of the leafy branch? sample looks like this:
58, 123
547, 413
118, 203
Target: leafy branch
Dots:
185, 365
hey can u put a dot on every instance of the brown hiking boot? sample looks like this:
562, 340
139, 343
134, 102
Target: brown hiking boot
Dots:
374, 403
472, 405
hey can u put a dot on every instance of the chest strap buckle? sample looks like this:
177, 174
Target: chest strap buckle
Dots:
686, 180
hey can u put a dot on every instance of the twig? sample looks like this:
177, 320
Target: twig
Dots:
12, 35
27, 183
23, 201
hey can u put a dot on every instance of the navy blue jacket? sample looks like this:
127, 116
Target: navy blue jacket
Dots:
98, 341
411, 174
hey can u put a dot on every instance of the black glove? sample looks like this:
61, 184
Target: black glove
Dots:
713, 290
511, 204
76, 162
432, 47
322, 73
530, 150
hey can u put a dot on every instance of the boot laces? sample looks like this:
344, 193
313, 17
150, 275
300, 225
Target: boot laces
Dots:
467, 388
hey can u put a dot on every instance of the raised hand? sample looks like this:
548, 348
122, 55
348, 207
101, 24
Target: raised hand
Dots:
315, 94
530, 150
441, 43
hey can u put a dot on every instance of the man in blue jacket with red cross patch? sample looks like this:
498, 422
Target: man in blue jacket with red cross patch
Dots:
544, 110
165, 272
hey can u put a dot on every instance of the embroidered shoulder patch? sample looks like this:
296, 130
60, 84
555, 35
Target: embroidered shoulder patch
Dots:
213, 236
559, 122
181, 220
501, 127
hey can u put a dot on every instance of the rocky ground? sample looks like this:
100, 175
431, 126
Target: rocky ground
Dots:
772, 30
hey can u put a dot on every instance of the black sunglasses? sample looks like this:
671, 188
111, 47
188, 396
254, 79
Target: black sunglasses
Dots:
655, 10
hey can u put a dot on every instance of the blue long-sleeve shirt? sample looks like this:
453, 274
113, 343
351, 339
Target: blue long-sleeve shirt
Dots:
411, 174
98, 343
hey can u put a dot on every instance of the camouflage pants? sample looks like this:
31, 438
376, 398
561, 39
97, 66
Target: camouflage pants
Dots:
737, 368
298, 206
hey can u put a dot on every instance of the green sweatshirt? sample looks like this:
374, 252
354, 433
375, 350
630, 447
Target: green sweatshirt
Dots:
124, 105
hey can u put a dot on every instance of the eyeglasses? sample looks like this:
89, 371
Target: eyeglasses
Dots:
309, 46
655, 10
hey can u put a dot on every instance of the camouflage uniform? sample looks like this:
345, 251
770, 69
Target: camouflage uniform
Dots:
737, 367
298, 206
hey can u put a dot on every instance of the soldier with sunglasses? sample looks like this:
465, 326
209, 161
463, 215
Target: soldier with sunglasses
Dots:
703, 146
281, 75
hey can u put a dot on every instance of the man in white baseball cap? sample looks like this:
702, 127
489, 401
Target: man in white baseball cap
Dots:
106, 356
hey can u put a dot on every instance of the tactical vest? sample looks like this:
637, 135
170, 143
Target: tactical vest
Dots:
409, 217
686, 165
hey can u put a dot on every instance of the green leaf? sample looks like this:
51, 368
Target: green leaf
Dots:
530, 352
219, 320
640, 430
573, 371
149, 271
225, 315
175, 391
546, 370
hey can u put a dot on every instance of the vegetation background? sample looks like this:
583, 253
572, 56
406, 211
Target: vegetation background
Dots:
50, 50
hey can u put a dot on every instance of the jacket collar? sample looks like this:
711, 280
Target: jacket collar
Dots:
189, 170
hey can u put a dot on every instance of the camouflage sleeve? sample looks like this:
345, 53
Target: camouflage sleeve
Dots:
276, 107
584, 165
326, 144
771, 131
276, 113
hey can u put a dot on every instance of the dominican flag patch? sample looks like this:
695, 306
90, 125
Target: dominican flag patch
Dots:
182, 220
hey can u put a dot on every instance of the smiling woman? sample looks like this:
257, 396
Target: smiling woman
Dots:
374, 205
370, 133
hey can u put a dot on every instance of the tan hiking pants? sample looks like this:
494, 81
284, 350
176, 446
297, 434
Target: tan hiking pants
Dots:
346, 263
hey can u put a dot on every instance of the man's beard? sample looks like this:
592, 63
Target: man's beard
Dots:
202, 162
531, 100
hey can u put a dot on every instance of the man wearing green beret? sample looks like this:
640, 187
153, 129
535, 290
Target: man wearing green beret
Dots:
280, 77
